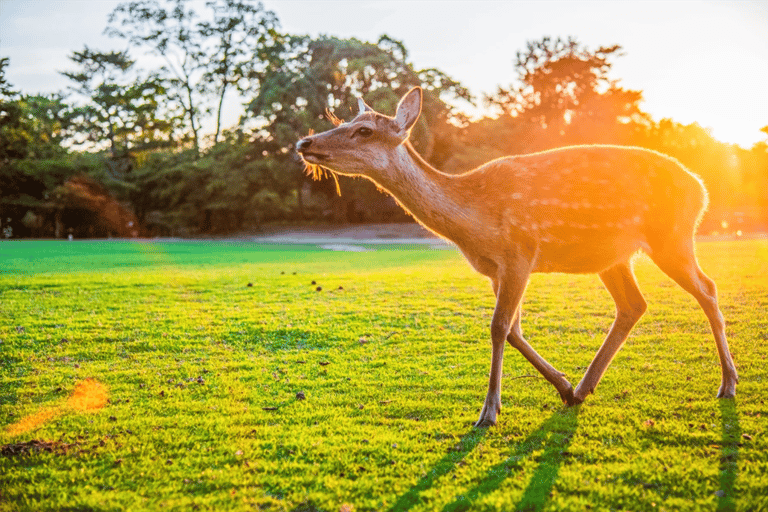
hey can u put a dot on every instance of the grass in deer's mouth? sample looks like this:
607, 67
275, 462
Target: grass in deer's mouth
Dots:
318, 172
276, 396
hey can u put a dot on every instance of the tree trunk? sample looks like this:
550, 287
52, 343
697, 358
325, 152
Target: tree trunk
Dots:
300, 199
192, 119
59, 226
218, 114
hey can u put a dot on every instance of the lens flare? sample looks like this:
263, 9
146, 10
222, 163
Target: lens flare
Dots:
32, 421
88, 395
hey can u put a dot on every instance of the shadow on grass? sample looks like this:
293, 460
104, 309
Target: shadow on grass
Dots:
729, 458
553, 437
467, 443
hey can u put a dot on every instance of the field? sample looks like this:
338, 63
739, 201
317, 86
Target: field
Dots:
232, 376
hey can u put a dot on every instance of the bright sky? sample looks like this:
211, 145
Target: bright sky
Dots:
696, 61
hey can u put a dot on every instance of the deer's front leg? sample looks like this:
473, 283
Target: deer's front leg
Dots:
509, 293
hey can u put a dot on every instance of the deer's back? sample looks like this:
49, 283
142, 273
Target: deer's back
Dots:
589, 200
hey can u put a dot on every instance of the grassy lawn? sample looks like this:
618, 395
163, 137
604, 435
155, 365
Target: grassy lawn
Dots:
215, 376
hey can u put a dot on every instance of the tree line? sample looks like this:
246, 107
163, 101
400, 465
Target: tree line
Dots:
123, 151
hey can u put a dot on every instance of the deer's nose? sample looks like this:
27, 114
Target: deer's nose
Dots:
302, 145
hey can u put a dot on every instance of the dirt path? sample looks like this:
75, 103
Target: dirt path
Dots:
368, 234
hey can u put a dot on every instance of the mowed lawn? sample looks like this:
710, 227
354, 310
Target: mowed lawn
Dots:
236, 376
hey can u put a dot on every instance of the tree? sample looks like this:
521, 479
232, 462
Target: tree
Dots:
172, 34
33, 161
204, 59
564, 95
122, 111
13, 137
237, 41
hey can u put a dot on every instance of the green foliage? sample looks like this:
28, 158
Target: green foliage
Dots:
204, 374
243, 35
126, 112
168, 31
139, 130
13, 138
49, 121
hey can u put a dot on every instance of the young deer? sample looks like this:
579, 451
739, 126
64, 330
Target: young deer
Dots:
582, 209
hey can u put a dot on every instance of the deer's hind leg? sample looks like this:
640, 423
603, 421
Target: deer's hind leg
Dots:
555, 377
630, 306
679, 263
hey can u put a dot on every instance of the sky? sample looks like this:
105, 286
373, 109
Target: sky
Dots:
695, 61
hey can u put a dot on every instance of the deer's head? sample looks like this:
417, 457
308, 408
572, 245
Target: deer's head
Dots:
367, 144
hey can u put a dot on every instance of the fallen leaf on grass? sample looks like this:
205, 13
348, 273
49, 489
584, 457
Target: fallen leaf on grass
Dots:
34, 446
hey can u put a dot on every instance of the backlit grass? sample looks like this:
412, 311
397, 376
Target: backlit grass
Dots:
214, 376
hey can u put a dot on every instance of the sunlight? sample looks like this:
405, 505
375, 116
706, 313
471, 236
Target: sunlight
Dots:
88, 395
33, 421
150, 250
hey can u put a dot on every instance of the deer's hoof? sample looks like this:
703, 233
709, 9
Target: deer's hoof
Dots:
726, 392
569, 398
488, 415
485, 423
728, 385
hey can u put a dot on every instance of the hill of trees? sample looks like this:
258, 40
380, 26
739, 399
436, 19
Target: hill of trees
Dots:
122, 151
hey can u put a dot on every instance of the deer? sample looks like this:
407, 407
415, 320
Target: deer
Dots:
576, 209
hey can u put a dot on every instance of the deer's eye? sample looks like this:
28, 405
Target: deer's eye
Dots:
364, 131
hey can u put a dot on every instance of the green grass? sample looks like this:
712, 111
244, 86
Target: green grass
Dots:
394, 370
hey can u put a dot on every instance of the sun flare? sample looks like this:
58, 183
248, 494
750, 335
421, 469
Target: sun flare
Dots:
88, 395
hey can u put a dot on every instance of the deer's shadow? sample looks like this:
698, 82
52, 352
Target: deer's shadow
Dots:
729, 457
553, 436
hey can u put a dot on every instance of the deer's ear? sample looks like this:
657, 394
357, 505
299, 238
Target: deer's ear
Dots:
362, 106
408, 109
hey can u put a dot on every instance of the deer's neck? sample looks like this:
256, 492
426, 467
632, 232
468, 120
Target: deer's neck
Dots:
431, 196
